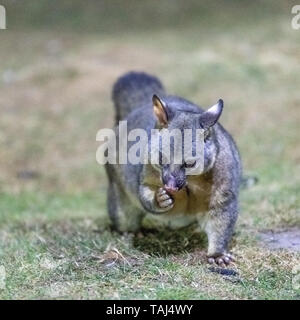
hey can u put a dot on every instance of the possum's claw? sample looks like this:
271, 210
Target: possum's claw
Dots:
164, 200
222, 260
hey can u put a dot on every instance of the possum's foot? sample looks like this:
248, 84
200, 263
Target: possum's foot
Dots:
164, 200
221, 260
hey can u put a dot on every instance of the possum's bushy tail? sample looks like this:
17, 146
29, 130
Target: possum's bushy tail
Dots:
133, 90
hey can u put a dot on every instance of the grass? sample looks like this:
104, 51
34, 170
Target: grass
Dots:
57, 68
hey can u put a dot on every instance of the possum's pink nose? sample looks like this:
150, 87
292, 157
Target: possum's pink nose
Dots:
171, 189
171, 185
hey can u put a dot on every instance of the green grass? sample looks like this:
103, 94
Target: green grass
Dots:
58, 247
57, 68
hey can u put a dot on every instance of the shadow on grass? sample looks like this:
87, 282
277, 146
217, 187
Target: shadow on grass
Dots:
164, 242
83, 240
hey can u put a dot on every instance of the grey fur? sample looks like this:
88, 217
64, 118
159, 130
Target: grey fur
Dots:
132, 90
135, 190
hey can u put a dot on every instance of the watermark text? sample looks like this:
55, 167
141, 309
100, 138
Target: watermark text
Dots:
296, 19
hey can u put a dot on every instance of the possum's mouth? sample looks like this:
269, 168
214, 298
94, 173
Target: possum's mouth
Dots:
171, 190
172, 184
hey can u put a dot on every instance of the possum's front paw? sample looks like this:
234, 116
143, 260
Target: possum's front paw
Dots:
222, 260
164, 200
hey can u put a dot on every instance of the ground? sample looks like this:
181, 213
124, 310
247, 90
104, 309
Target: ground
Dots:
56, 75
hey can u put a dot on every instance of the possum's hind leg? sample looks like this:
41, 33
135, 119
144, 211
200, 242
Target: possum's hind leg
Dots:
112, 205
124, 216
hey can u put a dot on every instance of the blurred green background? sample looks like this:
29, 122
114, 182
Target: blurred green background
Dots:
59, 60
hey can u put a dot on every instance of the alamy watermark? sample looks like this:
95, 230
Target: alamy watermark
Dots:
158, 147
295, 23
2, 17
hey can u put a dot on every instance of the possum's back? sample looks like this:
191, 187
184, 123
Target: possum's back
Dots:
133, 90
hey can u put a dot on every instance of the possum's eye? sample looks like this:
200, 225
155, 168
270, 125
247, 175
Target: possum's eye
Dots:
189, 164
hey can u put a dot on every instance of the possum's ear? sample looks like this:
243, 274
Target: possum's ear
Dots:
160, 111
210, 117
